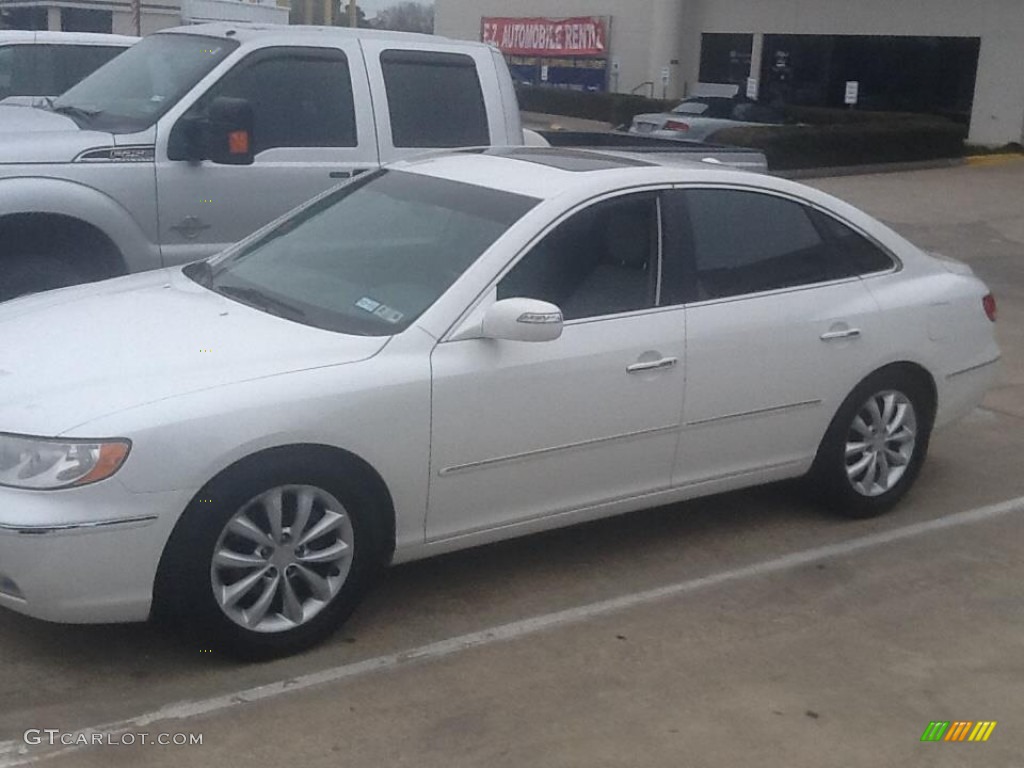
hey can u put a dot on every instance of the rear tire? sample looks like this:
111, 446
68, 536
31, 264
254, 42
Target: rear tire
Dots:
875, 446
300, 591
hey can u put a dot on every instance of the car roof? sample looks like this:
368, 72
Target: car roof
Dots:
23, 37
546, 173
246, 32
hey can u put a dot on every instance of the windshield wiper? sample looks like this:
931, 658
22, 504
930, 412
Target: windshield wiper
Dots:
72, 111
260, 300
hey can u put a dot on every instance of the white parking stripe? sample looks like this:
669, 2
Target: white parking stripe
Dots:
16, 753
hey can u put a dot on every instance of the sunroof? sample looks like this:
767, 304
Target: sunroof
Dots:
575, 160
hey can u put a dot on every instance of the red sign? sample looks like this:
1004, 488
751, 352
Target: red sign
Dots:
583, 36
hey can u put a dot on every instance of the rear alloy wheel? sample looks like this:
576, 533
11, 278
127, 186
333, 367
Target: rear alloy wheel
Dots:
271, 558
880, 444
875, 446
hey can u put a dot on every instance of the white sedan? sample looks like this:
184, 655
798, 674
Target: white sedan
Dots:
454, 351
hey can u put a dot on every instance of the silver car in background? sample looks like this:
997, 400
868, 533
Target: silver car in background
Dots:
698, 117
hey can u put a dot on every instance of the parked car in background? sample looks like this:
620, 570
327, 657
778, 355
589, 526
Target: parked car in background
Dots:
35, 65
697, 118
452, 351
229, 126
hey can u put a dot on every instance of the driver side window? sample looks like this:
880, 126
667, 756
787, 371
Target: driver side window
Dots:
601, 261
299, 97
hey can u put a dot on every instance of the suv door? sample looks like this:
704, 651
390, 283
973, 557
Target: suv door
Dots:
525, 430
313, 128
427, 96
779, 330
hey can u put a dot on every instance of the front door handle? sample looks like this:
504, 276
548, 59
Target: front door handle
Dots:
848, 333
653, 365
347, 174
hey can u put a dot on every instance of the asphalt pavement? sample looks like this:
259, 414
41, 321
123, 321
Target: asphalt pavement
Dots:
743, 629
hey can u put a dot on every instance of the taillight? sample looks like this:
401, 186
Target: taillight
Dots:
676, 125
989, 303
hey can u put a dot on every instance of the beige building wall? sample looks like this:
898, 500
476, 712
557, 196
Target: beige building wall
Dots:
647, 35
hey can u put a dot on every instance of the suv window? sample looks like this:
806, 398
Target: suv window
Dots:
746, 242
18, 75
602, 261
73, 62
425, 89
862, 256
299, 97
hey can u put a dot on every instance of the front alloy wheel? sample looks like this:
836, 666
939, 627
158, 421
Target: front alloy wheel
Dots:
282, 558
273, 555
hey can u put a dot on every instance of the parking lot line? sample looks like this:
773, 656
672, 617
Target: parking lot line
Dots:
15, 753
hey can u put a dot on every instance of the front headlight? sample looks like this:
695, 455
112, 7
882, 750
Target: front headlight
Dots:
45, 464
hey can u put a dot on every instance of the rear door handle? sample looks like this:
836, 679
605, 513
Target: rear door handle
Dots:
653, 365
849, 333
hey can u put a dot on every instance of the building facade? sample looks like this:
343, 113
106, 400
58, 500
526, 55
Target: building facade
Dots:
941, 56
116, 15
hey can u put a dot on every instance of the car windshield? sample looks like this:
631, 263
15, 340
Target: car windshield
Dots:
133, 90
369, 258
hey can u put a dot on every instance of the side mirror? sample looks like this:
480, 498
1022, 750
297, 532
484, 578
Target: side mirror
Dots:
522, 320
228, 134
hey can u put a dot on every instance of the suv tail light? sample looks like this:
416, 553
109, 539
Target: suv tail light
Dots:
989, 303
676, 125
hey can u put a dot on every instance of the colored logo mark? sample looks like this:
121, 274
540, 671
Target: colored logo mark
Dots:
958, 730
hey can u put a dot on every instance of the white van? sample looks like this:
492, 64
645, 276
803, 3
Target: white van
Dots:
39, 64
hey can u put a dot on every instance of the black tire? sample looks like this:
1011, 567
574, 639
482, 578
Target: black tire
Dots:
20, 275
828, 479
184, 590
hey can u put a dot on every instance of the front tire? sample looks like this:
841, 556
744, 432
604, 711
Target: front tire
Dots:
875, 446
271, 560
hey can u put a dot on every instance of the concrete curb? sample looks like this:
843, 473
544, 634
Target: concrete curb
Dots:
864, 170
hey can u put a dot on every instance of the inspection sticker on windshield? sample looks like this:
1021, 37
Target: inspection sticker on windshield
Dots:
388, 314
383, 311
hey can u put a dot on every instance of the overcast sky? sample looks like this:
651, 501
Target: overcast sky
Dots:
370, 7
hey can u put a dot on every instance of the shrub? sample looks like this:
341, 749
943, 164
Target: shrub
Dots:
613, 108
791, 147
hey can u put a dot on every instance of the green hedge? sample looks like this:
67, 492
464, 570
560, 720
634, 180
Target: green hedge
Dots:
613, 108
791, 147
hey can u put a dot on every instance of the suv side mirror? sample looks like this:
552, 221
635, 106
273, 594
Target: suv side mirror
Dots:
228, 132
522, 320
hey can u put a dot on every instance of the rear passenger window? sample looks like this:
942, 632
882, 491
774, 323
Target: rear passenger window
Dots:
746, 242
434, 99
862, 256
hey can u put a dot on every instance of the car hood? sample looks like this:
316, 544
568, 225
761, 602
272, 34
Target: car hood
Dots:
73, 355
30, 135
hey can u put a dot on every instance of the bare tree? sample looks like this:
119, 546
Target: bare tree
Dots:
407, 16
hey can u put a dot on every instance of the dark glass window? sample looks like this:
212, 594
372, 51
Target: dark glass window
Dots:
300, 98
861, 255
73, 62
602, 261
434, 99
746, 242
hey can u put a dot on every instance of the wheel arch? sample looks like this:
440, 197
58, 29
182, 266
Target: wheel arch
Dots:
50, 231
87, 206
906, 367
365, 473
